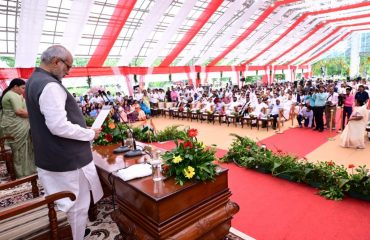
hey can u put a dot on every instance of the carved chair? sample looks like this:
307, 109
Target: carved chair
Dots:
6, 155
36, 218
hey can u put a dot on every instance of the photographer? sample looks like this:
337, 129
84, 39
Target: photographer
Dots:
320, 98
305, 114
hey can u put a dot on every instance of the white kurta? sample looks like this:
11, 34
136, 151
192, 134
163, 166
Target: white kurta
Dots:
52, 105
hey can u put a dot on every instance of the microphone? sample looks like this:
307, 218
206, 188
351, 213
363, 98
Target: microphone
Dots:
100, 94
128, 153
104, 94
135, 152
121, 148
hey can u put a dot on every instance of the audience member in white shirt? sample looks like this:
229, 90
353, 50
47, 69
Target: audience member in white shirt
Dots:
275, 110
305, 114
259, 109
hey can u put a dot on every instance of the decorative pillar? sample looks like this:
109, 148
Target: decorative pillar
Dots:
355, 54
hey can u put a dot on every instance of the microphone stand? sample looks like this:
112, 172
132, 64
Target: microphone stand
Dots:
135, 152
128, 153
121, 148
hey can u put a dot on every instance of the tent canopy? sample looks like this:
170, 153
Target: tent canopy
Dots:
147, 36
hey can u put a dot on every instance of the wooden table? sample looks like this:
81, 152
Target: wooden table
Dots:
163, 210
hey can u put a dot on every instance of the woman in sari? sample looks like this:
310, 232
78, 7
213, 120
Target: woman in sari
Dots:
141, 114
353, 134
14, 122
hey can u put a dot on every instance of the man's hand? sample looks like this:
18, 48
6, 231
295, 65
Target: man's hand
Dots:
97, 132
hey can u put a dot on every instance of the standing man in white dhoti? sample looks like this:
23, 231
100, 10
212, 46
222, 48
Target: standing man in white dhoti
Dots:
61, 140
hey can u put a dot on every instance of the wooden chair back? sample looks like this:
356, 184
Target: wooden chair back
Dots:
12, 218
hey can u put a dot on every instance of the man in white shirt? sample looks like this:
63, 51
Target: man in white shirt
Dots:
305, 114
232, 106
118, 97
275, 110
154, 98
96, 99
139, 95
61, 139
161, 95
331, 107
259, 109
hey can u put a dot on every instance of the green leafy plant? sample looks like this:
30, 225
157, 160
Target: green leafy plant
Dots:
190, 160
333, 180
359, 181
111, 133
332, 193
89, 121
114, 133
170, 133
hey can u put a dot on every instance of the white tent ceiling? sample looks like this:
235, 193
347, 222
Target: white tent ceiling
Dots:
152, 33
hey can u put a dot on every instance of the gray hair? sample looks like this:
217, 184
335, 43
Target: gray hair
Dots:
54, 51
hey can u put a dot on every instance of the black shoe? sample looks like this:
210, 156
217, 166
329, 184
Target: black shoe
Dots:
87, 232
315, 129
321, 130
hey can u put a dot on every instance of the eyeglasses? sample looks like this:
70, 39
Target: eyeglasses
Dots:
67, 65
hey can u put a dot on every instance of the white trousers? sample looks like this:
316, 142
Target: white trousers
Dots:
76, 182
78, 213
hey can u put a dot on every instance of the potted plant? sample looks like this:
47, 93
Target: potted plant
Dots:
191, 160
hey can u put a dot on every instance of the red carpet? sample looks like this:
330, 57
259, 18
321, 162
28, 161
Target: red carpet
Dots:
297, 141
272, 208
165, 145
300, 141
276, 209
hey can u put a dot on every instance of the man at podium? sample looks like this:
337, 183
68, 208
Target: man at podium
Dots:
60, 138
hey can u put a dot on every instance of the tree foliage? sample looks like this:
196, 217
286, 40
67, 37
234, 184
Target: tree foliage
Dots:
333, 66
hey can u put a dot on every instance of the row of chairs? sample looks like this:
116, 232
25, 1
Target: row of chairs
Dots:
233, 119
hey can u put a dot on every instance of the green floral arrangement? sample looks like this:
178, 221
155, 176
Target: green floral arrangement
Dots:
333, 181
191, 160
113, 132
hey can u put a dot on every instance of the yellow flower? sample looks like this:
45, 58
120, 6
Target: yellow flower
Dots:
177, 159
203, 145
189, 172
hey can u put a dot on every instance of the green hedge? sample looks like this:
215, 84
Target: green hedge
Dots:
333, 180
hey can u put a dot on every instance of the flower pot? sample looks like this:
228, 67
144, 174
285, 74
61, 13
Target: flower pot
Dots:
359, 195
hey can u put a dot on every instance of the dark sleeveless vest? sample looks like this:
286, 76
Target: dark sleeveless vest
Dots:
54, 153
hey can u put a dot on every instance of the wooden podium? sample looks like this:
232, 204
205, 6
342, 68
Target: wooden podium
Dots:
165, 210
